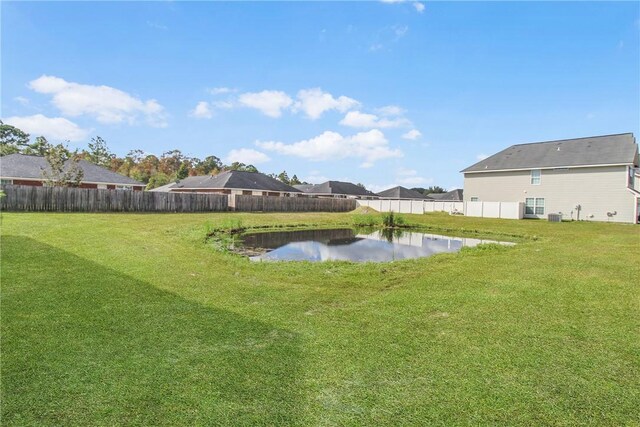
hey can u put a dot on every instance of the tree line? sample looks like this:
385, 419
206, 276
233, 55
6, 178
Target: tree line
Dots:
150, 169
429, 190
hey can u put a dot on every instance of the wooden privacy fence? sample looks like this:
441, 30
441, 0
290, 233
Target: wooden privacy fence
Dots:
292, 204
66, 199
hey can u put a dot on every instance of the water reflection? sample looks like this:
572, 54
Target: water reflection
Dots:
347, 245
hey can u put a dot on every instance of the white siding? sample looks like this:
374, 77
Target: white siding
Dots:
597, 190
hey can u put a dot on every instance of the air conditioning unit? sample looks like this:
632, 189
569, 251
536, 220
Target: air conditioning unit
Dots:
554, 217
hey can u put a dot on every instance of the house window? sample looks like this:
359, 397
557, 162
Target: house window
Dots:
474, 199
529, 205
6, 181
535, 177
124, 187
534, 206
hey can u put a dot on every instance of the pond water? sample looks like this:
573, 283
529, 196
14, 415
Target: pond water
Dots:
350, 245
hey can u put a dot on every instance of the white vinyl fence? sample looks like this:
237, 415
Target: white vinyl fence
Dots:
505, 210
412, 206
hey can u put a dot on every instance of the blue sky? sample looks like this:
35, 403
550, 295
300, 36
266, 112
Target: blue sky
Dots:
401, 93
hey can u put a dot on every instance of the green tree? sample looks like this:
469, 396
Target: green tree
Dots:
434, 189
294, 180
183, 171
135, 155
170, 162
99, 153
210, 165
63, 167
238, 166
39, 147
283, 177
12, 139
158, 180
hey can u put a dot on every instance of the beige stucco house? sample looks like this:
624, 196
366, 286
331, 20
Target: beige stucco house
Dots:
594, 179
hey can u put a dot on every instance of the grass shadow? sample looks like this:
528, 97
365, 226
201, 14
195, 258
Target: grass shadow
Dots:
87, 345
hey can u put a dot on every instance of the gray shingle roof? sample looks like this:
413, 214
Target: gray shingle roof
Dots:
595, 150
234, 179
303, 187
401, 192
449, 196
31, 167
340, 187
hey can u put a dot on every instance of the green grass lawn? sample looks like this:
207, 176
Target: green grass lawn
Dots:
112, 319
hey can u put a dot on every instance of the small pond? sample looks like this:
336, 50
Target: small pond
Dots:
350, 245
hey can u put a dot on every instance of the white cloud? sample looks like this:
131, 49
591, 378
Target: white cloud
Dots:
314, 102
316, 178
22, 100
391, 110
220, 90
223, 105
54, 128
400, 31
202, 111
106, 104
418, 6
248, 156
481, 156
406, 176
269, 102
369, 147
377, 188
407, 172
412, 135
413, 180
357, 119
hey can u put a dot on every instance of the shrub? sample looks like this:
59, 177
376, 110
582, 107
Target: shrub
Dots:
390, 220
366, 220
228, 225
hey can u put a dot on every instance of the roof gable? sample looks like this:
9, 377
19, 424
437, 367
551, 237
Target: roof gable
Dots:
449, 196
591, 151
340, 187
236, 180
401, 192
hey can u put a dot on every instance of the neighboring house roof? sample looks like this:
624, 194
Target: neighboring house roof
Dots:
232, 179
449, 196
31, 167
303, 187
163, 188
340, 187
401, 192
591, 151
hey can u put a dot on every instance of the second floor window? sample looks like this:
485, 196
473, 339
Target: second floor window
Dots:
535, 177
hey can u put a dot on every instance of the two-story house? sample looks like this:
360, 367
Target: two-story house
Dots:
594, 178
